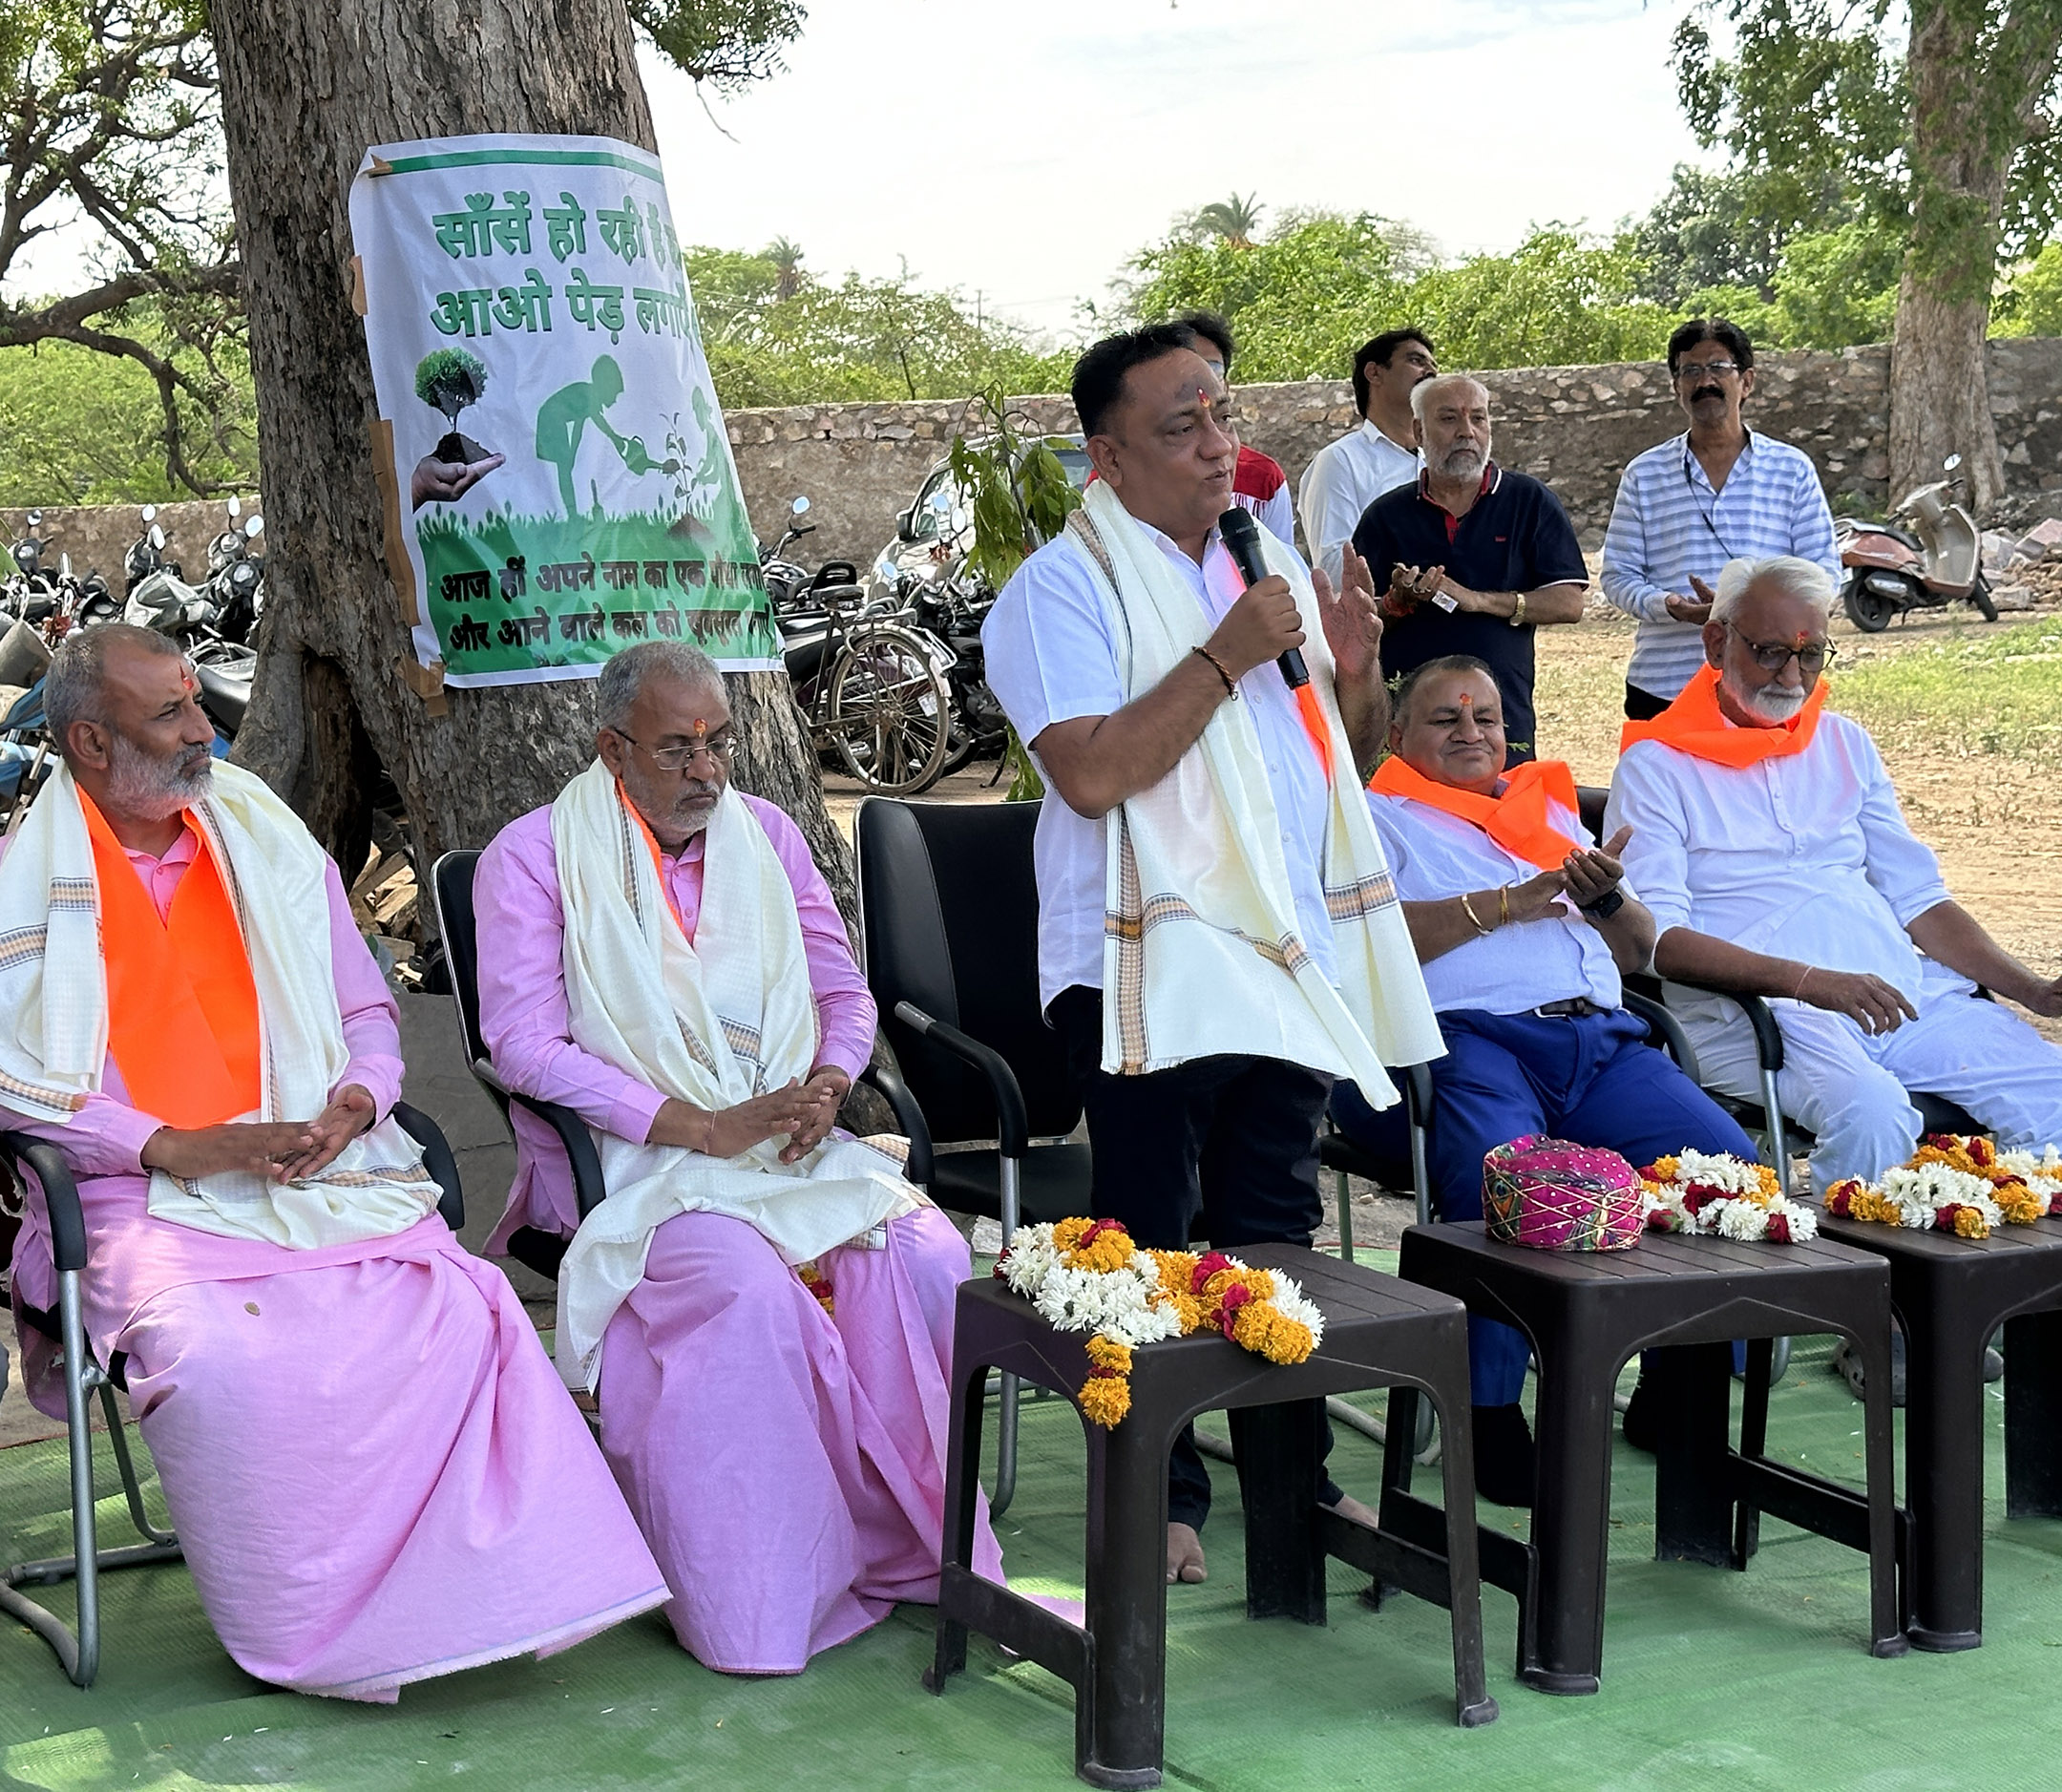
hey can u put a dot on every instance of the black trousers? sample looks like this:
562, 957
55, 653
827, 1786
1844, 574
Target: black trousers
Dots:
1643, 706
1232, 1139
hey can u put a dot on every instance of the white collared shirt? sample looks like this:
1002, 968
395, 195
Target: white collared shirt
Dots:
1806, 856
1051, 658
1342, 481
1667, 523
1435, 856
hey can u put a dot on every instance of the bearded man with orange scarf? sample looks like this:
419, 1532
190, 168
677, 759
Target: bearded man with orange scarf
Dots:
375, 1473
1768, 842
1522, 927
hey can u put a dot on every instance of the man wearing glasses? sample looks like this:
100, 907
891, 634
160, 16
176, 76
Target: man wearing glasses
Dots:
1767, 841
763, 1305
1714, 494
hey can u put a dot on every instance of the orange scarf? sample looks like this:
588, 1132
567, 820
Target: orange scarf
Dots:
1693, 723
1312, 712
183, 1008
657, 857
1515, 818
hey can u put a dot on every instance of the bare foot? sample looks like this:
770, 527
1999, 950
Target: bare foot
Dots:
1185, 1555
1360, 1513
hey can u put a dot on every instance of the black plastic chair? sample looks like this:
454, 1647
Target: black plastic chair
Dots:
1346, 1156
948, 925
451, 882
79, 1651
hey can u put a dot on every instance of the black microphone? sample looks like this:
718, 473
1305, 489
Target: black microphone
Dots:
1242, 542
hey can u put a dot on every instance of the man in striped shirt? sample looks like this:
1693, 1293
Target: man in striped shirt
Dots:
1716, 492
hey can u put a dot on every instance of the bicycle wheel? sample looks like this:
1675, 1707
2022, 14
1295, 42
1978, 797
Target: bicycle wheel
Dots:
888, 713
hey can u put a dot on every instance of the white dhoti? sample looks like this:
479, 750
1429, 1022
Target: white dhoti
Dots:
1852, 1092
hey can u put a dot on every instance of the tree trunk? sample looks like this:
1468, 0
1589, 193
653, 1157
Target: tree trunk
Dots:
308, 86
1940, 396
1976, 83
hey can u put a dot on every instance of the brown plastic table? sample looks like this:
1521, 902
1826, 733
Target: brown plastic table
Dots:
1586, 1314
1378, 1332
1952, 1294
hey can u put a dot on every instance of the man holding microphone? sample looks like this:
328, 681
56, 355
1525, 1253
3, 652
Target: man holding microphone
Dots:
1218, 935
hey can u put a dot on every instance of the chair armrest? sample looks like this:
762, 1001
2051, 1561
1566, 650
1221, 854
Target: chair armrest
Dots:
1768, 1036
588, 1187
1013, 1127
1667, 1028
437, 1158
909, 1116
60, 1196
1417, 1093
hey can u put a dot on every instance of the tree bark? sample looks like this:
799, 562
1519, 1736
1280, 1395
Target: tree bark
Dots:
308, 86
1976, 87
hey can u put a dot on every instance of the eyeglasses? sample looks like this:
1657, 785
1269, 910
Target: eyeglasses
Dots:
1772, 656
1689, 369
723, 751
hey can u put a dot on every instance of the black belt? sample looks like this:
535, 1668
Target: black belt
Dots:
1573, 1008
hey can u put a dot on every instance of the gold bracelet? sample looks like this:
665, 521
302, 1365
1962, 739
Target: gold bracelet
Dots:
1502, 906
1517, 615
1467, 908
1797, 994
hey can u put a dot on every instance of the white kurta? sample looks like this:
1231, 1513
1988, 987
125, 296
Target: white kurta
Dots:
1435, 856
1809, 857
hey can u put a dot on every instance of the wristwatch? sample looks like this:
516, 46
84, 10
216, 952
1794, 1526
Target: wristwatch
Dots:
1605, 906
1517, 615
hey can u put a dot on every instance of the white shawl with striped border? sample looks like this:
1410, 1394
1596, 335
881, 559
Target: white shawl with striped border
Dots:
714, 1023
1201, 952
54, 990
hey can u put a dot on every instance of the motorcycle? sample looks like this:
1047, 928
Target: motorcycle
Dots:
787, 581
146, 554
1938, 561
32, 592
192, 615
952, 604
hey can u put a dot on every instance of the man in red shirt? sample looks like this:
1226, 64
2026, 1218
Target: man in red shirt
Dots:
1258, 483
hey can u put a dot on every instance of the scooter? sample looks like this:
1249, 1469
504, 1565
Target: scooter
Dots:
1939, 561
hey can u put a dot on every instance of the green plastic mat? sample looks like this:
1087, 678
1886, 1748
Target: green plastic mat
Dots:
1749, 1681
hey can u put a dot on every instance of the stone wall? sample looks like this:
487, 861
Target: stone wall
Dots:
97, 536
1573, 427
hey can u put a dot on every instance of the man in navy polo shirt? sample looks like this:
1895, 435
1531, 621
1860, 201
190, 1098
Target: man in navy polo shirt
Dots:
1471, 558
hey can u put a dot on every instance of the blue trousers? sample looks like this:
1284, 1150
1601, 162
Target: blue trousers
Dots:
1588, 1078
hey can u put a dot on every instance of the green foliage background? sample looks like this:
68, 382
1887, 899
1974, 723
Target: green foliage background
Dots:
81, 428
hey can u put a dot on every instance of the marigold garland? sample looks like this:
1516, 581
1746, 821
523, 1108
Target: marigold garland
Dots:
1717, 1194
1088, 1276
1964, 1186
818, 1284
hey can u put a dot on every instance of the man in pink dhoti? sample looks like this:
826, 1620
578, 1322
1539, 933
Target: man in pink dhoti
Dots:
376, 1475
763, 1305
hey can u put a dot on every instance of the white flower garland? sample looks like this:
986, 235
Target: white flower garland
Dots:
1718, 1194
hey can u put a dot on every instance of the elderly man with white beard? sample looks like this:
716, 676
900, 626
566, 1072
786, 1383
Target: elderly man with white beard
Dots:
1768, 843
1471, 558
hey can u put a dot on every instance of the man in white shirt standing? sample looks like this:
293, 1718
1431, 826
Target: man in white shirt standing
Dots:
1714, 494
1345, 477
1218, 936
1768, 842
1523, 928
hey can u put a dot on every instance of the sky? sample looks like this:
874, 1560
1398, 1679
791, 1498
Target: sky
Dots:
1026, 164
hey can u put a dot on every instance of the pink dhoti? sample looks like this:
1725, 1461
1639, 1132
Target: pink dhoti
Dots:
785, 1462
376, 1474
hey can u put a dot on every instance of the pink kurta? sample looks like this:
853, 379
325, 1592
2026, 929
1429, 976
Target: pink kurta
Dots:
374, 1467
786, 1465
